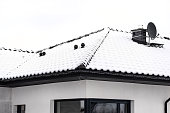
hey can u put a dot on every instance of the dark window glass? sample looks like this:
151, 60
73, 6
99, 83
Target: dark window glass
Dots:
91, 106
20, 108
69, 107
105, 108
109, 106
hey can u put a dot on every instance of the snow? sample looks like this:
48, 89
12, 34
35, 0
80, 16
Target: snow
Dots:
120, 53
117, 52
60, 58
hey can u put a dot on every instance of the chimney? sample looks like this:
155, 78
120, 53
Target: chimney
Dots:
139, 36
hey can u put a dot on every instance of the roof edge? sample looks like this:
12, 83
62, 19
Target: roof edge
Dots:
17, 50
86, 74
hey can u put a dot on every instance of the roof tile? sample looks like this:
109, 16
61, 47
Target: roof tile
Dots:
120, 53
107, 51
62, 57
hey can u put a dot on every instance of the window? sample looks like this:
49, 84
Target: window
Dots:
69, 106
109, 106
91, 106
104, 108
19, 109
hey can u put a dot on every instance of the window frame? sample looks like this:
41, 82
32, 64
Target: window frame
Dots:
18, 108
118, 102
88, 101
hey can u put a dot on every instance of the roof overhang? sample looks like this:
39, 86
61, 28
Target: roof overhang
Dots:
85, 74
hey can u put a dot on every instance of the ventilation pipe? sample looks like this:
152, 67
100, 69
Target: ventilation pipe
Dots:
75, 47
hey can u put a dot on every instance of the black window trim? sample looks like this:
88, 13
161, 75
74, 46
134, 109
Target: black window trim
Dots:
19, 108
87, 103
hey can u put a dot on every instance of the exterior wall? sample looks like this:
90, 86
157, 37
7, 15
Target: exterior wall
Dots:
39, 97
5, 100
145, 98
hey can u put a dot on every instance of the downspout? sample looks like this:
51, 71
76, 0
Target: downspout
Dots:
166, 105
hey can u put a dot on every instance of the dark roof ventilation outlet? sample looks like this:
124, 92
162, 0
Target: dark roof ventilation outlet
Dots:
82, 45
75, 47
42, 54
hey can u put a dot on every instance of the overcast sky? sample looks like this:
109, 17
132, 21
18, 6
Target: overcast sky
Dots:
37, 24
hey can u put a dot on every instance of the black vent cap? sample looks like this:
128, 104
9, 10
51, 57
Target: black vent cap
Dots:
75, 47
42, 54
82, 45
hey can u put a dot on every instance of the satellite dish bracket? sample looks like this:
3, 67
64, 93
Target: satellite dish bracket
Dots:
151, 29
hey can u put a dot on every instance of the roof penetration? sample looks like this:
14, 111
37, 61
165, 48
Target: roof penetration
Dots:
106, 49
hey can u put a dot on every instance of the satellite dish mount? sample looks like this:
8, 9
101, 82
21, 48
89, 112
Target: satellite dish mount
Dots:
151, 29
139, 35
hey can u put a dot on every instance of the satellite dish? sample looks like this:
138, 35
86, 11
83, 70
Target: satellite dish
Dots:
151, 28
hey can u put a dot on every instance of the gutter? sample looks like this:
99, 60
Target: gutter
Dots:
85, 74
166, 105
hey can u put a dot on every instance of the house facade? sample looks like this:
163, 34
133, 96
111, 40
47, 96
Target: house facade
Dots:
101, 72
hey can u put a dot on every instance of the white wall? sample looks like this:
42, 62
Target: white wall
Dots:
37, 98
146, 98
5, 100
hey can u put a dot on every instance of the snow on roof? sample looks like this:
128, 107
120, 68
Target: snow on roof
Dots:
12, 60
62, 57
119, 53
104, 50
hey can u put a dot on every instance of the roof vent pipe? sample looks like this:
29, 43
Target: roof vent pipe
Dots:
82, 45
42, 54
75, 47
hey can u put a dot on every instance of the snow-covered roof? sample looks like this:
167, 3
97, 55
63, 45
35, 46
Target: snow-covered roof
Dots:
12, 60
105, 49
119, 53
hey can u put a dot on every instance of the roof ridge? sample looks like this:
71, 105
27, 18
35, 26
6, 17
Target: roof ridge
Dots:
118, 30
86, 62
80, 37
16, 50
158, 36
96, 47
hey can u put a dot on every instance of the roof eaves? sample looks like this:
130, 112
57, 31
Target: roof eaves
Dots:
86, 74
127, 77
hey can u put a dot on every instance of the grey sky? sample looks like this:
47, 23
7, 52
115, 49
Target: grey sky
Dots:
37, 24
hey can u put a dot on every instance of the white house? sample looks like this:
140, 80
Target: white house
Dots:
101, 72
